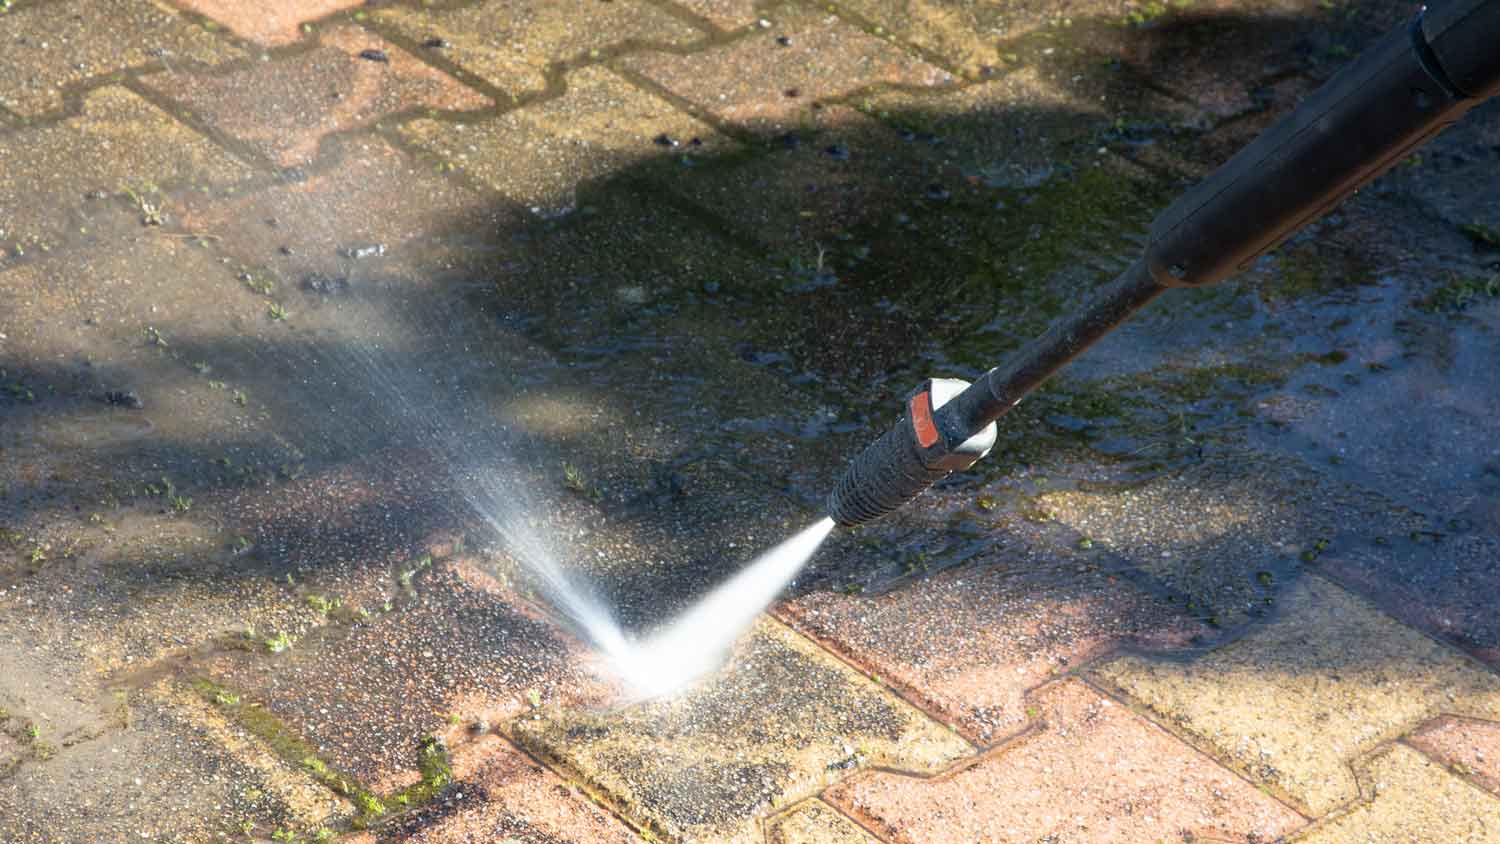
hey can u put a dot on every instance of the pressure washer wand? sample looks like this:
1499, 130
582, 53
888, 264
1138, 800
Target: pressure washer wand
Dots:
1412, 84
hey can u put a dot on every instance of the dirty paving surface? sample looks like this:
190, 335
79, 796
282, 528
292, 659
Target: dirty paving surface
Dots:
322, 328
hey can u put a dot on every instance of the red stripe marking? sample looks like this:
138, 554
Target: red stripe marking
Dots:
921, 419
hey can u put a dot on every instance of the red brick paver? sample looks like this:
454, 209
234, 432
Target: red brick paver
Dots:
283, 109
814, 53
269, 21
969, 644
500, 795
1469, 746
1093, 772
47, 47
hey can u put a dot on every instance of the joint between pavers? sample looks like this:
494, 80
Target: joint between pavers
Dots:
1383, 608
767, 822
687, 16
884, 686
579, 781
875, 30
1203, 745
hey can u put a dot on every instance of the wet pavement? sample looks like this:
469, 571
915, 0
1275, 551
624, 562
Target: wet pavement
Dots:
321, 324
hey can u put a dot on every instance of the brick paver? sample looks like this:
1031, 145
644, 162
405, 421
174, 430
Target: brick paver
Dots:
780, 722
747, 81
1046, 786
815, 822
284, 109
1469, 747
1441, 584
455, 644
511, 44
273, 23
816, 185
970, 644
499, 795
378, 196
56, 180
51, 46
1232, 530
1293, 704
540, 155
725, 14
1411, 799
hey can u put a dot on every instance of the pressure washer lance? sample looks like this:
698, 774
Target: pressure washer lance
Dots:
1410, 85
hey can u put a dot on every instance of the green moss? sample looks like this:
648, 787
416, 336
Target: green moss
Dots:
1481, 234
1309, 269
1460, 294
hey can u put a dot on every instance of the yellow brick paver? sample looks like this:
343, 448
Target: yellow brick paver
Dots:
539, 155
1293, 704
815, 822
511, 43
1412, 799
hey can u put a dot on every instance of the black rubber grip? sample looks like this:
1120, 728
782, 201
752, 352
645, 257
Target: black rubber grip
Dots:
886, 475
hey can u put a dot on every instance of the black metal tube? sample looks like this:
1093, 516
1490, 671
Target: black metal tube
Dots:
1003, 387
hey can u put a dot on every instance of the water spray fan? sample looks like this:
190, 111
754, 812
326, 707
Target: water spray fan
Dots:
1413, 83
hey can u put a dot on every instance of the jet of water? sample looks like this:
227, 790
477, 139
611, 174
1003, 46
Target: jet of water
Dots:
695, 642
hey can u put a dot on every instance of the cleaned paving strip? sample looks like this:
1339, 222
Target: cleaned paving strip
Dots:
783, 720
972, 662
1294, 704
1043, 787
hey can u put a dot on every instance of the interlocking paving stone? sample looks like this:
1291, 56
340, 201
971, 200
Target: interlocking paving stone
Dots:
1294, 703
150, 774
455, 643
511, 43
841, 170
746, 81
966, 34
726, 14
1008, 132
1443, 585
539, 155
1232, 530
271, 22
969, 644
378, 196
283, 109
815, 822
500, 795
118, 142
1411, 799
1467, 746
307, 803
1092, 771
50, 46
783, 720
